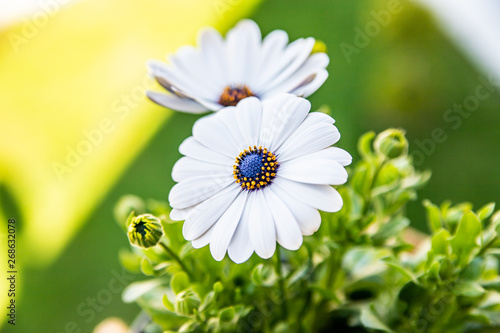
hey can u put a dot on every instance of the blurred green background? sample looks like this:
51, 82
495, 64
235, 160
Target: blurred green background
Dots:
408, 76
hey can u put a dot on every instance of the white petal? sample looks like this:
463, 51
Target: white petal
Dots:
270, 52
315, 118
214, 54
211, 132
183, 83
176, 103
332, 153
248, 116
180, 214
323, 197
212, 105
261, 229
206, 213
308, 140
273, 47
308, 89
225, 227
240, 248
228, 116
313, 171
187, 167
306, 216
281, 117
192, 148
189, 61
309, 72
243, 44
294, 56
288, 232
197, 189
203, 240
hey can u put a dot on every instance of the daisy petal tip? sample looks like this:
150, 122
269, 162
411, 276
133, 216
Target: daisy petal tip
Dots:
238, 258
248, 24
294, 246
215, 255
266, 253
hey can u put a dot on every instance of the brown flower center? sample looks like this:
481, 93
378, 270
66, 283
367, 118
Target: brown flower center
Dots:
232, 95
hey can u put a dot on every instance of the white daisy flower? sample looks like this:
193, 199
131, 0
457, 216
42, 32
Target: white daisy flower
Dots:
220, 72
255, 174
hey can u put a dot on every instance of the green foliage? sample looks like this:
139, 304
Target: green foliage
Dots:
365, 270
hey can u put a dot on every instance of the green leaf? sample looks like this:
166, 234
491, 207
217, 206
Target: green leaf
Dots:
362, 179
208, 301
370, 319
227, 314
256, 274
441, 243
474, 270
466, 239
189, 327
300, 274
468, 289
218, 287
146, 267
186, 249
130, 260
168, 304
179, 282
495, 219
392, 262
492, 284
326, 293
433, 216
433, 272
479, 316
137, 289
391, 228
364, 261
263, 275
454, 214
365, 145
486, 211
416, 180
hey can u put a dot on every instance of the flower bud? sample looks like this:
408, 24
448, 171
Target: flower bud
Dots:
319, 47
145, 231
391, 143
186, 302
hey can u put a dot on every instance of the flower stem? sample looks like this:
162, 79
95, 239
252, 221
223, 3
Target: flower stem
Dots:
176, 258
281, 282
368, 199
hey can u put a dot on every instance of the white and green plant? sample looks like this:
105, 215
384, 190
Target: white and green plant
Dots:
364, 270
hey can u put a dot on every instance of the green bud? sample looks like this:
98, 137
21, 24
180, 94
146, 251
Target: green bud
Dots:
145, 231
187, 302
391, 143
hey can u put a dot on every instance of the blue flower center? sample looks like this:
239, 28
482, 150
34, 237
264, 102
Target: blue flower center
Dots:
255, 168
251, 165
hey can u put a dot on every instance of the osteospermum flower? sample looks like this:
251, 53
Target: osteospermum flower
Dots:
220, 72
255, 174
